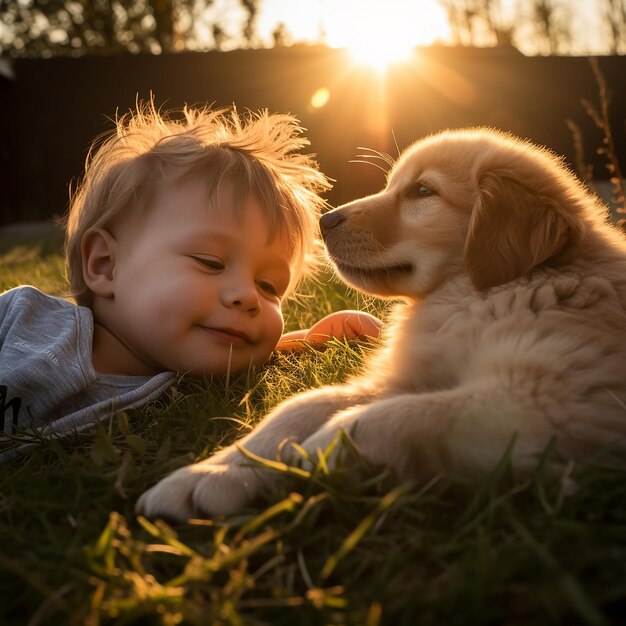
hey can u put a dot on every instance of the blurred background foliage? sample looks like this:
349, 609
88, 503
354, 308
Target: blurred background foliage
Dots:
61, 27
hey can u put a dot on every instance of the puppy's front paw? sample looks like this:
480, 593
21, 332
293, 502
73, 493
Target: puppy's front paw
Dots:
335, 438
201, 490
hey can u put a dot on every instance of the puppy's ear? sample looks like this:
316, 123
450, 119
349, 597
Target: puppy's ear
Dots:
98, 255
511, 230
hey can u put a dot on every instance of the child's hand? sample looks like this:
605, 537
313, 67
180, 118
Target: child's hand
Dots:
342, 324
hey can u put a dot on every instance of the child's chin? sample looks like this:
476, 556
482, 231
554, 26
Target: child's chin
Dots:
235, 368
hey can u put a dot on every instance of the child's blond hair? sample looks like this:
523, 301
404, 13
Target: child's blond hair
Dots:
255, 154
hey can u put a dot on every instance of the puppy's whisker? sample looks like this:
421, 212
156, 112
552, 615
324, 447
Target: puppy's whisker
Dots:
383, 156
395, 141
381, 251
377, 253
382, 169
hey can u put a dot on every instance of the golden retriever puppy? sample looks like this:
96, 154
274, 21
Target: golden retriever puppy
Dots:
514, 326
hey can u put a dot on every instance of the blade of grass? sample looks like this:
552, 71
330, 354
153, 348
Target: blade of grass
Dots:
351, 541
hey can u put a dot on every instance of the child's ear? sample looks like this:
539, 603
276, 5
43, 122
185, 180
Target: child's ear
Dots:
98, 253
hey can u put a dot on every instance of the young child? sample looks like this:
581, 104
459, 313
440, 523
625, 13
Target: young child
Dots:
183, 240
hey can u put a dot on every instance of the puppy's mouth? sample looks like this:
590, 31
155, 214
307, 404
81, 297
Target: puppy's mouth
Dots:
374, 273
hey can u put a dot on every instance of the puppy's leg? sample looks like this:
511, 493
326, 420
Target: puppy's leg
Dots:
463, 431
221, 484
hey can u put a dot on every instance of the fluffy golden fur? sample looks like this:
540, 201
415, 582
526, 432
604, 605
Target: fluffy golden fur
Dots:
513, 326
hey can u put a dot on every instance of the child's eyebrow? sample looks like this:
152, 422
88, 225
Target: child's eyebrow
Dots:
198, 240
200, 236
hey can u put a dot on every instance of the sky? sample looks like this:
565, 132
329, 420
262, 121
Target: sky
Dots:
347, 21
392, 25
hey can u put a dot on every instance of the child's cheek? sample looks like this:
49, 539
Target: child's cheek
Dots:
169, 309
276, 328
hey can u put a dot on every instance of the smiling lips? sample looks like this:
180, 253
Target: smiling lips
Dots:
229, 336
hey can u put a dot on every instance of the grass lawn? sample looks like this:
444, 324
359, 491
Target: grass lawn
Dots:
348, 547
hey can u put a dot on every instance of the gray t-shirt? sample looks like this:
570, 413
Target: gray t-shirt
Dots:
47, 379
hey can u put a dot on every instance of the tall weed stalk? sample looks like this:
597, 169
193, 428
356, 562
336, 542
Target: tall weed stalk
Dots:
599, 114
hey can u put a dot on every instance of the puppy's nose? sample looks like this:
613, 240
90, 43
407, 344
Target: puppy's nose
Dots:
330, 220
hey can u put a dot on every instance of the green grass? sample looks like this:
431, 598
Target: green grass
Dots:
32, 255
347, 547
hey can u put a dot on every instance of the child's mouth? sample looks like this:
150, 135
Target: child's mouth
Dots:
229, 336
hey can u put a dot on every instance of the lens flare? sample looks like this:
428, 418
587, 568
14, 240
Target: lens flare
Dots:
320, 98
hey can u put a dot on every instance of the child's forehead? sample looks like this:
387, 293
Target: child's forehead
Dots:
232, 204
232, 201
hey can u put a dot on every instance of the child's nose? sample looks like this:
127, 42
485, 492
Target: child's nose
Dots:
242, 296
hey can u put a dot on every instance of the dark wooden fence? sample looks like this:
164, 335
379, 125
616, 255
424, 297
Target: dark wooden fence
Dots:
52, 108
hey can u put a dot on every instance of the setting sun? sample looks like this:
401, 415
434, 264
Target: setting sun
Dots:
375, 33
380, 57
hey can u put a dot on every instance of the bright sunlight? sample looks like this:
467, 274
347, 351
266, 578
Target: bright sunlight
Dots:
376, 33
380, 33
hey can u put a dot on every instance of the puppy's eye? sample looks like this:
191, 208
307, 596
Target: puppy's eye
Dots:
419, 190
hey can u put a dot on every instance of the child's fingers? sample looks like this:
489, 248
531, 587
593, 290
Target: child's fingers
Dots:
363, 325
345, 325
341, 324
292, 341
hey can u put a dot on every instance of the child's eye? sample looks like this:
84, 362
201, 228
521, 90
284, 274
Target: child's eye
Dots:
268, 288
210, 263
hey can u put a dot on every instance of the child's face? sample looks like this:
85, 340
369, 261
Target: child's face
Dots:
192, 284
